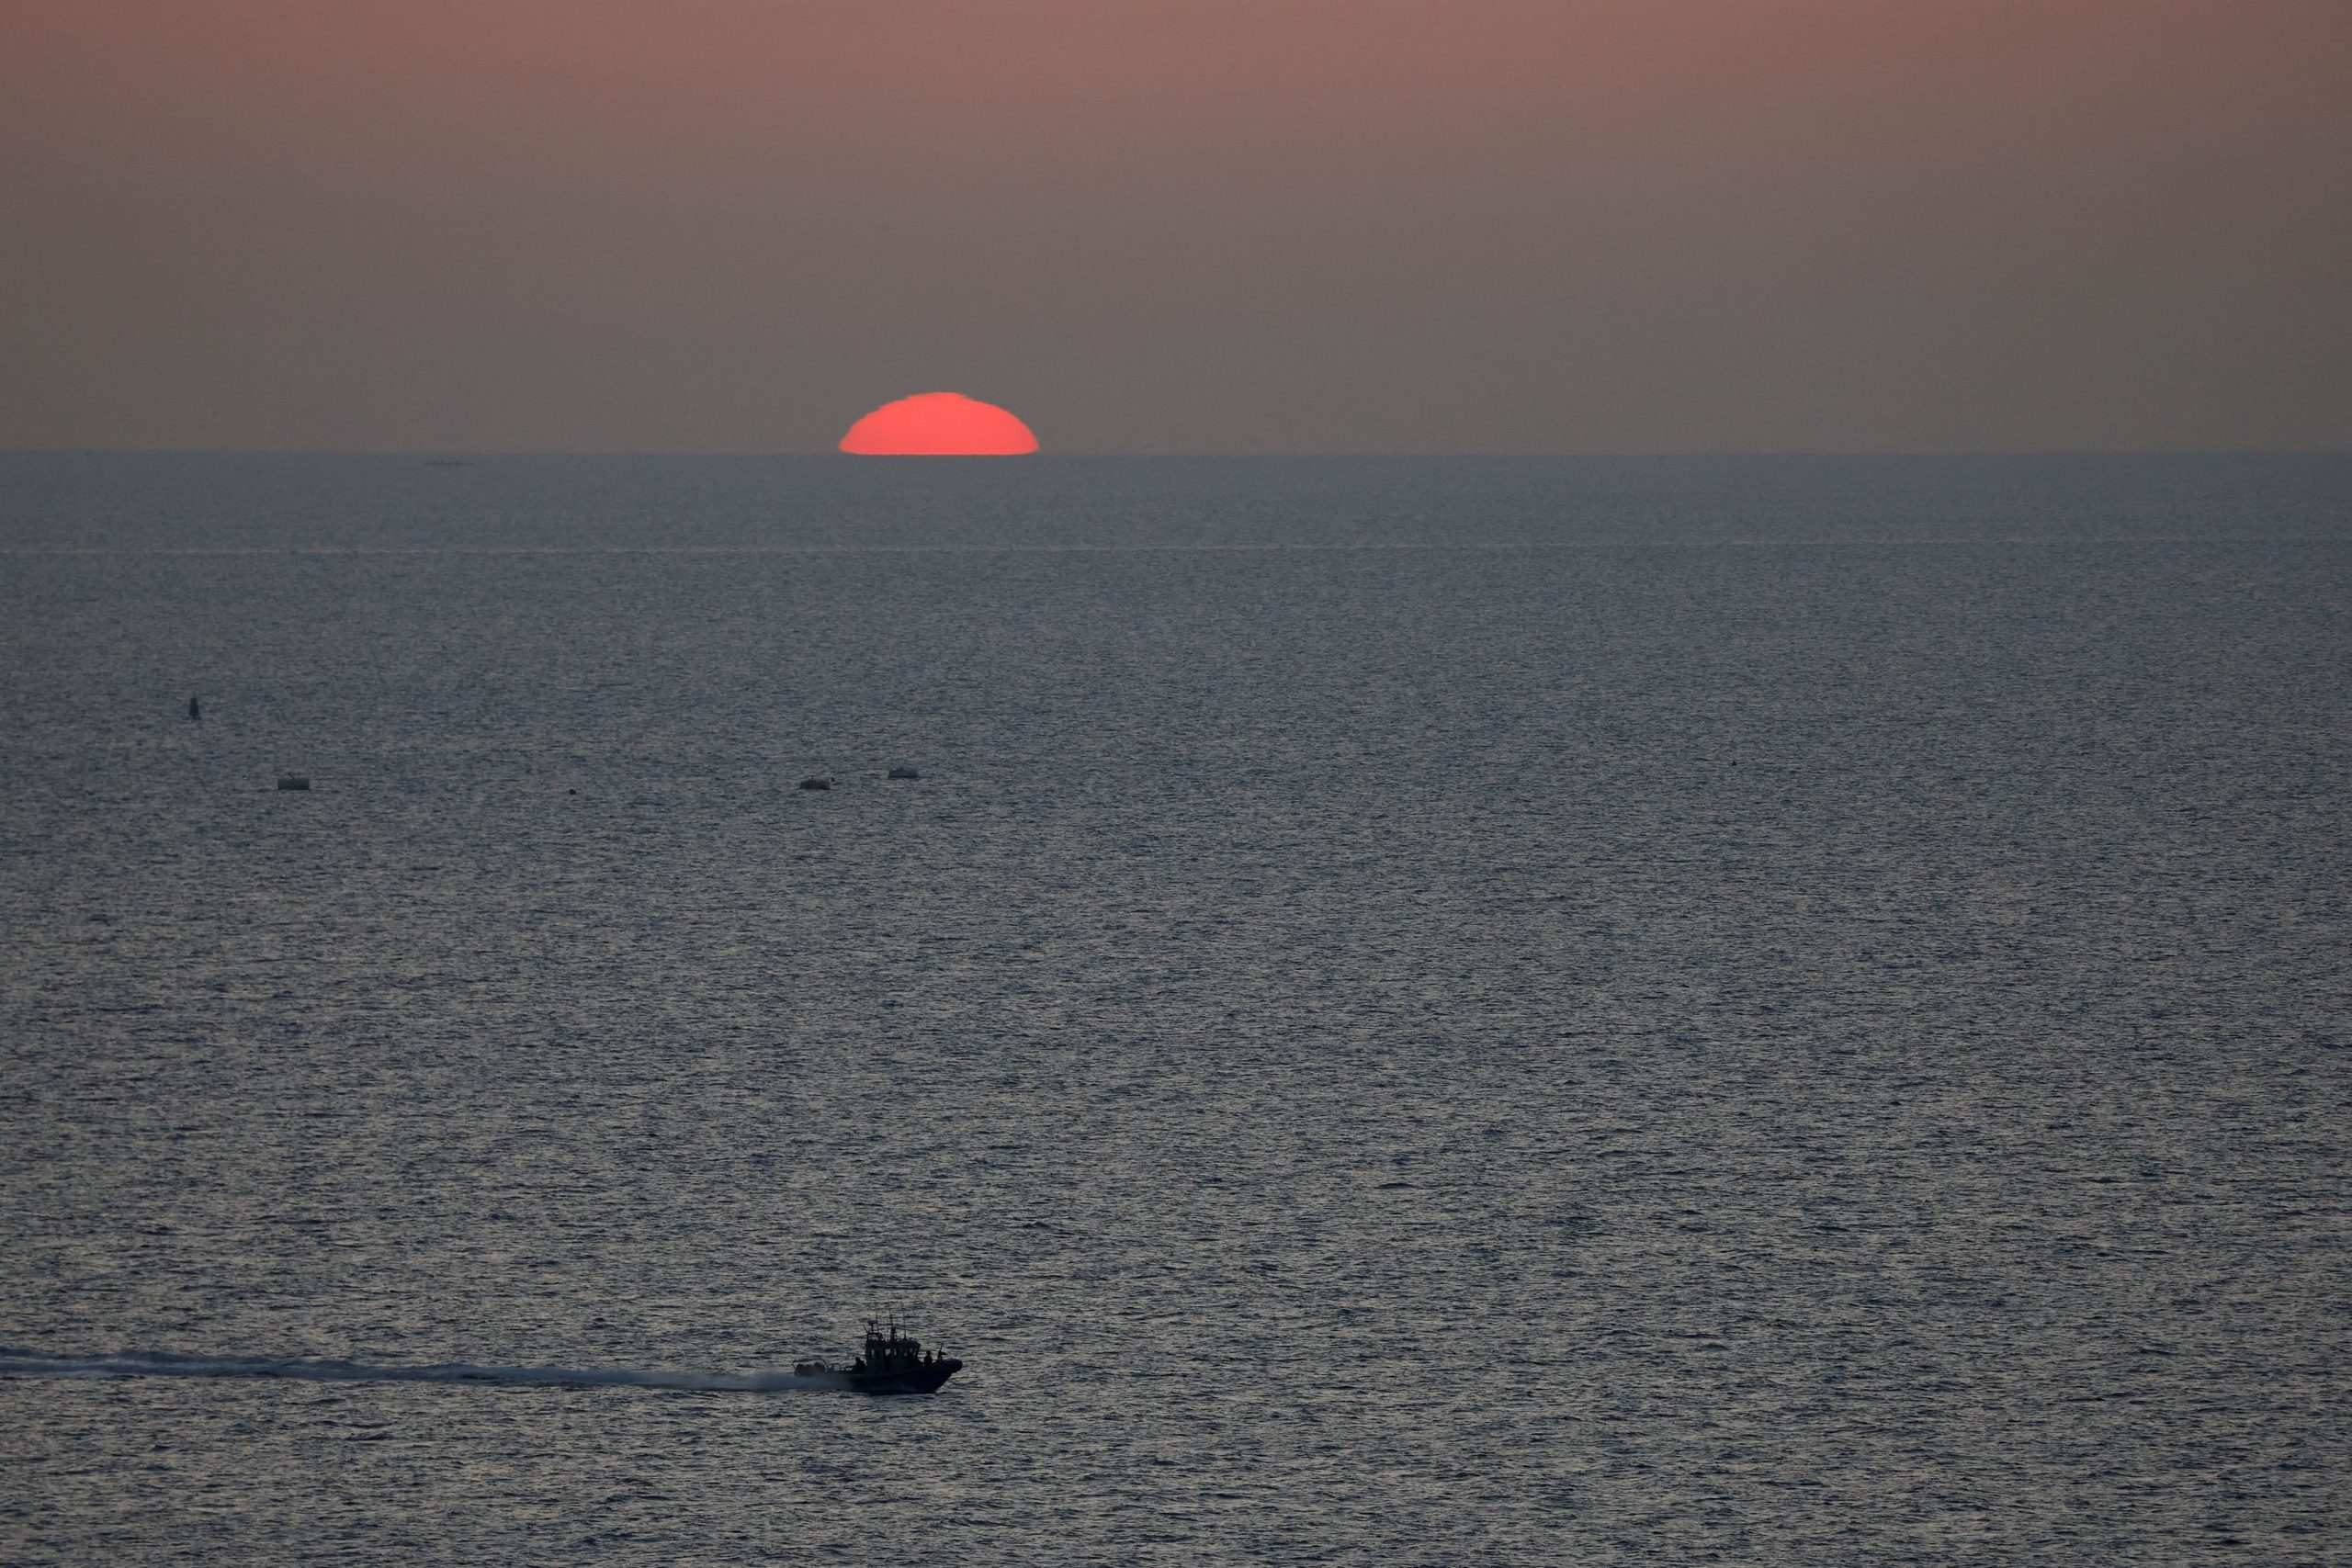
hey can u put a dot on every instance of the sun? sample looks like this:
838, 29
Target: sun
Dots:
939, 425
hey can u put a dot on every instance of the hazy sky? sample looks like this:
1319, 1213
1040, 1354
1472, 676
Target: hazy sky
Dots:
1179, 225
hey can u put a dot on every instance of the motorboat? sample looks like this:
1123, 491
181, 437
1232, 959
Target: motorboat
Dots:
891, 1362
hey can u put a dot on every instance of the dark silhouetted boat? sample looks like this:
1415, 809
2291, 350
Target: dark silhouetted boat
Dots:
891, 1362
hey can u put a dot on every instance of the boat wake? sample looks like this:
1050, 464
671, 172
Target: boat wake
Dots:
15, 1363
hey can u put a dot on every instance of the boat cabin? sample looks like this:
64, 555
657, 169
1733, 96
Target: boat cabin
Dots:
888, 1350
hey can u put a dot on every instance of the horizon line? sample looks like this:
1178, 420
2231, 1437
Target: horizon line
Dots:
1329, 456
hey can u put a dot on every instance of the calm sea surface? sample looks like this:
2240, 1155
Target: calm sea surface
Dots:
1739, 1011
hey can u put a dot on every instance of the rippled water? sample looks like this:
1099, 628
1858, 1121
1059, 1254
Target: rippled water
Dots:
1748, 1011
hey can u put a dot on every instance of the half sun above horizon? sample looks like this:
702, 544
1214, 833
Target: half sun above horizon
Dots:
939, 425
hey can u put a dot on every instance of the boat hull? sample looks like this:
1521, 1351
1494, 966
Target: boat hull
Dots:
924, 1379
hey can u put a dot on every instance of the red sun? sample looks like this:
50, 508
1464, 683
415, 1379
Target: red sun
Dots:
939, 425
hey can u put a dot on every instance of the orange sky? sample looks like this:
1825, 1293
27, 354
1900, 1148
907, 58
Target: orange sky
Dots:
1179, 225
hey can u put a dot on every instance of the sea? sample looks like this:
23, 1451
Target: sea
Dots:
1731, 1011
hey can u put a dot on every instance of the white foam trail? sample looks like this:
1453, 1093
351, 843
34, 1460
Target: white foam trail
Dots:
165, 1364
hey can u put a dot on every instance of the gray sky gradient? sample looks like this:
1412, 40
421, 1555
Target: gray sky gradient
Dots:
1179, 225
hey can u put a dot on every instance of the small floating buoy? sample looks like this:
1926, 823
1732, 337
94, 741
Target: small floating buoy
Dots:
816, 783
904, 773
193, 710
293, 781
